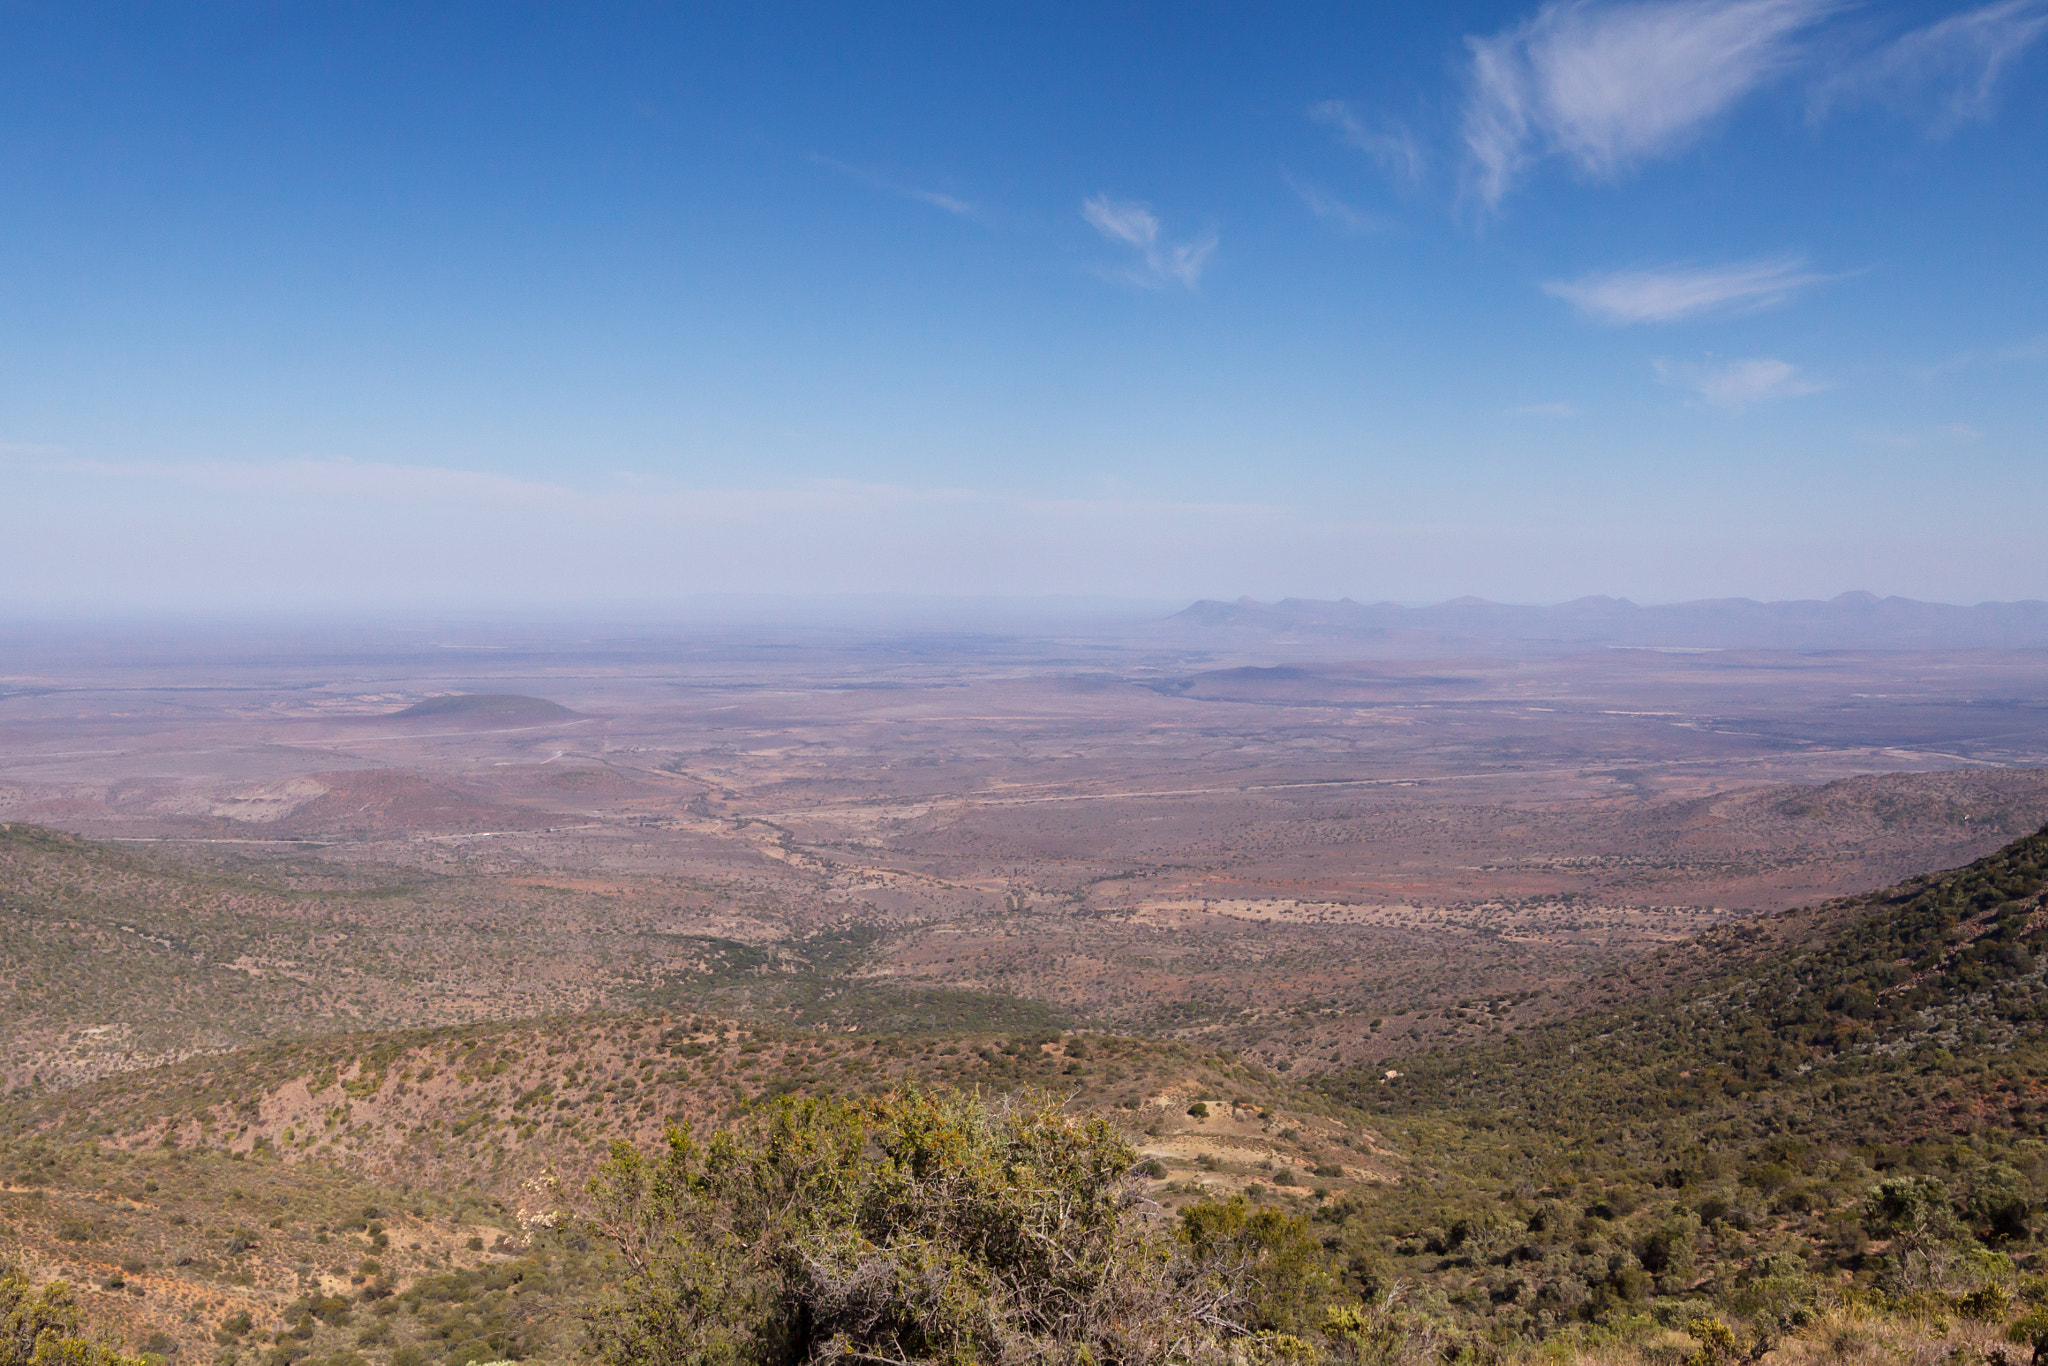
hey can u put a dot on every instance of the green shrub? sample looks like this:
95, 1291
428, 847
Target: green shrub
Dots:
910, 1228
46, 1327
2030, 1331
1995, 1204
1988, 1304
1282, 1266
1716, 1343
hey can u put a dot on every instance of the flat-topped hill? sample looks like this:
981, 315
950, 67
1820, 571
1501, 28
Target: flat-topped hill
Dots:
485, 706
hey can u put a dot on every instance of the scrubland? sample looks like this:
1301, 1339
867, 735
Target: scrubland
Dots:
1427, 1010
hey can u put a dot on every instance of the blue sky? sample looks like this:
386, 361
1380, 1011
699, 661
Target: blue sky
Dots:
325, 305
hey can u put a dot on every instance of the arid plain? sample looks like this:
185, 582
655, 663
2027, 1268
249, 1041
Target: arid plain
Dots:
1318, 860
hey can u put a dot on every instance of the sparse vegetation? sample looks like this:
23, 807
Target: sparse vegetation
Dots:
1147, 1101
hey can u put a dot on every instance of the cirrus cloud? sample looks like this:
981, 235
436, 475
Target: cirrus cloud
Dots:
1609, 85
1390, 144
1158, 263
945, 203
1669, 293
1956, 62
1342, 217
1737, 384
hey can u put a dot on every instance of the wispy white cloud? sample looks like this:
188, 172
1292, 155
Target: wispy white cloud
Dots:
1609, 85
1737, 384
1668, 293
1948, 434
1954, 63
2035, 350
1390, 144
1159, 262
1342, 217
959, 208
1544, 410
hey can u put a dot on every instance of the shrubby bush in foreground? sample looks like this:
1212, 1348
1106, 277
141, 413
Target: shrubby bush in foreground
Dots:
936, 1228
45, 1328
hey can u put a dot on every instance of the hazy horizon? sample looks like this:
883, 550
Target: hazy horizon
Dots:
850, 615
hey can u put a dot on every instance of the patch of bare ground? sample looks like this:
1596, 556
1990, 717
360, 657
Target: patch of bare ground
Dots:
164, 1246
495, 1106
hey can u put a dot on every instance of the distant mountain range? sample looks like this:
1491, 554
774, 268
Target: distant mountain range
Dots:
1853, 621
